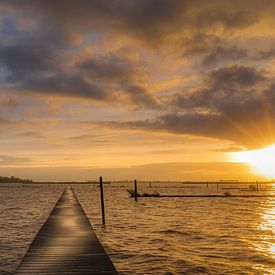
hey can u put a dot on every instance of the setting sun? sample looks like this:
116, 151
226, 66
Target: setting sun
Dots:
262, 160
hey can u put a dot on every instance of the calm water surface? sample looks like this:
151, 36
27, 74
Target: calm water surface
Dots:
155, 235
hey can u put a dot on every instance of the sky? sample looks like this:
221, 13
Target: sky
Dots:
154, 90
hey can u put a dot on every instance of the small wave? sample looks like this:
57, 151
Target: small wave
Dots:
187, 267
174, 232
197, 269
261, 259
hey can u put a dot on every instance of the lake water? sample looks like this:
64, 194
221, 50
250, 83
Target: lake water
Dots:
156, 235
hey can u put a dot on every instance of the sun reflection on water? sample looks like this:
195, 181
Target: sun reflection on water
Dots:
266, 243
268, 224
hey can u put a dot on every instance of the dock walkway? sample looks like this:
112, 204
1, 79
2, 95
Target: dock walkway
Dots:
66, 244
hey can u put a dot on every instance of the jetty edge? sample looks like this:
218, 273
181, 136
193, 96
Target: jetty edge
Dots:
66, 243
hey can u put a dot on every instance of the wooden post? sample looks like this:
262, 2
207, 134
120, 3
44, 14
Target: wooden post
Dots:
136, 190
217, 185
207, 184
257, 185
150, 184
102, 200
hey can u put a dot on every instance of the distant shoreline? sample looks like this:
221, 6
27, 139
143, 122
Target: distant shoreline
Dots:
148, 182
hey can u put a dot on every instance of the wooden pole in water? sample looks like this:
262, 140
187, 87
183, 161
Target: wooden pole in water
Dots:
207, 184
135, 183
217, 185
102, 200
257, 185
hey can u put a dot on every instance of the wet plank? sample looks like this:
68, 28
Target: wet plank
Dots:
66, 243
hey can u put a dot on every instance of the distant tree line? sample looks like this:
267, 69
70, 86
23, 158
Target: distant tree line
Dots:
14, 180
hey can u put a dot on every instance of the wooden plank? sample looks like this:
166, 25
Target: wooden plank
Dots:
66, 243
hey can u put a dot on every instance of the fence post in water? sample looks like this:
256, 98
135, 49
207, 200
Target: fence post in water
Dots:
102, 200
136, 190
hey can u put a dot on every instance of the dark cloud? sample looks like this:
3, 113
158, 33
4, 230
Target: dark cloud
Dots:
228, 20
65, 84
221, 54
141, 97
230, 109
30, 51
38, 66
151, 20
265, 54
44, 47
148, 20
239, 124
111, 67
155, 20
37, 69
199, 43
237, 106
242, 76
224, 85
37, 61
212, 49
21, 61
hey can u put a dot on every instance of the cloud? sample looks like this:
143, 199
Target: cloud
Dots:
111, 67
242, 76
221, 54
228, 20
141, 97
22, 60
8, 102
224, 85
152, 21
45, 39
235, 105
41, 62
84, 49
66, 84
229, 126
265, 54
10, 160
39, 68
199, 43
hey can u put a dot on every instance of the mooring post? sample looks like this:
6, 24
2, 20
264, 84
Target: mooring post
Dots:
207, 184
136, 190
257, 185
217, 185
102, 200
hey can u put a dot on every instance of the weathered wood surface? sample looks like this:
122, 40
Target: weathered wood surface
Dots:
66, 244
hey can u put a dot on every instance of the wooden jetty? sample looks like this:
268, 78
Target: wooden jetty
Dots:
66, 244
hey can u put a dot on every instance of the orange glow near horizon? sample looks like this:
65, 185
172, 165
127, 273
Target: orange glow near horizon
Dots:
262, 160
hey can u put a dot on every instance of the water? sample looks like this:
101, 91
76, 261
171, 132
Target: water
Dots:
155, 235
